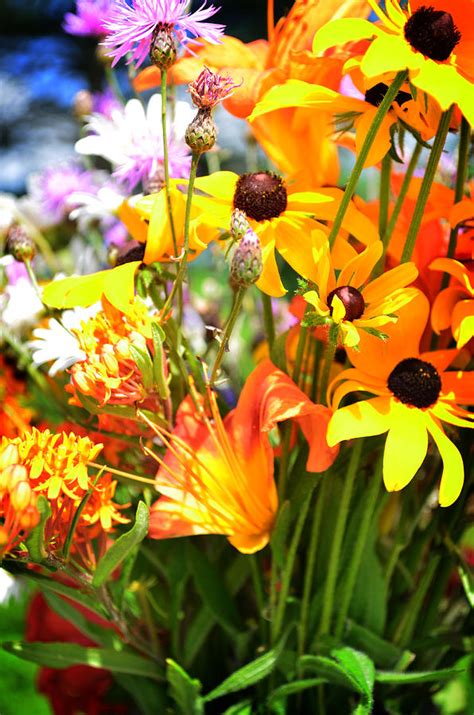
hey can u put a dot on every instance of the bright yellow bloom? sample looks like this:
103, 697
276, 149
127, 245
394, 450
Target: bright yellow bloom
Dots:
414, 394
454, 306
433, 41
351, 300
282, 219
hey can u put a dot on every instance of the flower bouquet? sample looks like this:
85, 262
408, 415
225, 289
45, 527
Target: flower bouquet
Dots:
236, 465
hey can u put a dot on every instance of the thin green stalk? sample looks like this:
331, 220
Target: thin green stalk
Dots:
310, 564
318, 346
412, 609
412, 164
164, 129
32, 277
383, 109
256, 573
358, 550
430, 173
331, 348
461, 176
334, 556
277, 621
384, 204
284, 461
239, 296
268, 320
187, 219
299, 353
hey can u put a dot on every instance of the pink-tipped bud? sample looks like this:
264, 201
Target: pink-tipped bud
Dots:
246, 267
210, 88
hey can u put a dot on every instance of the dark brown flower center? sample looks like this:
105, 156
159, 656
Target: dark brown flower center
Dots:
351, 299
260, 196
415, 382
375, 94
432, 32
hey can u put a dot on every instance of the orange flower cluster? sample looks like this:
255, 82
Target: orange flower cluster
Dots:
110, 374
56, 467
14, 417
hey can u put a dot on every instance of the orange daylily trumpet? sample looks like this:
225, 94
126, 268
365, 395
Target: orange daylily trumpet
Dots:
217, 475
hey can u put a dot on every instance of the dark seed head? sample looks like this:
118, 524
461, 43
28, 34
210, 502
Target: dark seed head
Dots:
375, 95
260, 196
432, 32
352, 300
415, 382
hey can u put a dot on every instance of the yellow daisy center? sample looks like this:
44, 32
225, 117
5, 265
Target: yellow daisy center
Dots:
415, 382
261, 196
432, 32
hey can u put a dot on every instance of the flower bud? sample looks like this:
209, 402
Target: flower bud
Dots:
3, 536
20, 496
10, 455
19, 244
30, 517
201, 134
238, 224
83, 103
246, 266
109, 359
12, 475
163, 48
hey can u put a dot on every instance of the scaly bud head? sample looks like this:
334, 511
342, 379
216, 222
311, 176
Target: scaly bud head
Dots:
19, 244
163, 48
210, 88
239, 224
246, 266
201, 134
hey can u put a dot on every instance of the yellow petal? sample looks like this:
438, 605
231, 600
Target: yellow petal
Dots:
313, 299
249, 544
358, 270
220, 184
405, 448
338, 32
362, 419
119, 286
270, 281
350, 334
338, 309
452, 477
389, 53
447, 86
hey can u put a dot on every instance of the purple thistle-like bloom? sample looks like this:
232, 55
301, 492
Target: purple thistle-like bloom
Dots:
55, 185
130, 29
89, 19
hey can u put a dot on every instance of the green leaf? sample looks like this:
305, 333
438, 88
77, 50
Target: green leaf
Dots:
278, 352
149, 696
184, 690
94, 408
280, 534
123, 546
427, 676
242, 708
383, 653
467, 580
62, 655
279, 696
249, 674
142, 360
35, 541
161, 383
83, 624
211, 586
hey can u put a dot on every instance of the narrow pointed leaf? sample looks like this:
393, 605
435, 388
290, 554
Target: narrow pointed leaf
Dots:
184, 690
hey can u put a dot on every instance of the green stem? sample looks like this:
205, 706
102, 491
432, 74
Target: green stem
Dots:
277, 621
331, 348
383, 109
384, 204
461, 176
334, 557
239, 296
187, 220
310, 564
412, 609
256, 572
430, 172
166, 166
299, 354
268, 320
358, 550
32, 277
401, 196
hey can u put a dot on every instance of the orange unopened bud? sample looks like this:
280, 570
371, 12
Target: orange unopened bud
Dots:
109, 359
9, 455
30, 518
20, 496
82, 382
12, 475
3, 536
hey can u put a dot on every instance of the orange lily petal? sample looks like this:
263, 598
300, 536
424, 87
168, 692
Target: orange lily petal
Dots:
443, 306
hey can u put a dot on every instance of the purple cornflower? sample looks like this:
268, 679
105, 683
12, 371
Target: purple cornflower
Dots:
55, 185
210, 88
89, 19
130, 29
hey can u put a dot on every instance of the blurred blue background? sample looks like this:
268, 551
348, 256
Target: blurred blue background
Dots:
42, 68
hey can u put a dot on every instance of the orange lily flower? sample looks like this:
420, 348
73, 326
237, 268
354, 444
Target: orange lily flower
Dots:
454, 306
262, 64
217, 475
